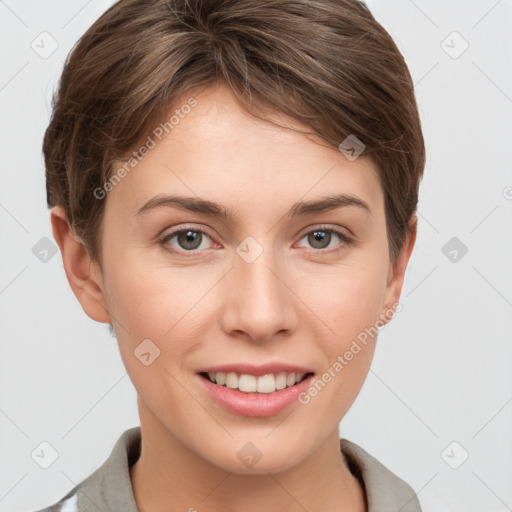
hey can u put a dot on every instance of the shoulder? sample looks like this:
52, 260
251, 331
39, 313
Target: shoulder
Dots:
109, 486
385, 491
66, 504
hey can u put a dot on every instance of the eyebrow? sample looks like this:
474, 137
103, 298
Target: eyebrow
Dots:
299, 209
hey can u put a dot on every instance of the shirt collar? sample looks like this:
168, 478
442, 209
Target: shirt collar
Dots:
109, 488
385, 491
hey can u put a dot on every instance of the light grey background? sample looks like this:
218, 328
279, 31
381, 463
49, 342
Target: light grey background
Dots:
442, 370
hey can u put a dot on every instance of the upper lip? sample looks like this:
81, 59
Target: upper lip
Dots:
251, 369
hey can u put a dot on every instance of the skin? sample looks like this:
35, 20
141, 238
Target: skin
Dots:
295, 303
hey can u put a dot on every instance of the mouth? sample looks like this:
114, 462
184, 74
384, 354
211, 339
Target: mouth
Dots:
249, 395
269, 383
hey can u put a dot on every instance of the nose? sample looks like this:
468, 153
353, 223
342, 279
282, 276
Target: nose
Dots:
258, 302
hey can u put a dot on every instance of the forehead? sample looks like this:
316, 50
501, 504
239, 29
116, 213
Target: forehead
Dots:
217, 150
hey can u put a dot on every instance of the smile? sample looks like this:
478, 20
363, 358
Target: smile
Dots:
263, 384
251, 395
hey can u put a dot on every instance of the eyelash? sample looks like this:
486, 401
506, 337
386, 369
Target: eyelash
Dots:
346, 240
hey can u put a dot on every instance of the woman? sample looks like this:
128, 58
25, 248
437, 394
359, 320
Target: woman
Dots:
233, 188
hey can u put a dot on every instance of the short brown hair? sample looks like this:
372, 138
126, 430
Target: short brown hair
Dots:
327, 63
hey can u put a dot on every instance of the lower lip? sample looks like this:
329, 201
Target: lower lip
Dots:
252, 404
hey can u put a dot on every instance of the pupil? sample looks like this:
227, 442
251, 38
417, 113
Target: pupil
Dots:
190, 237
319, 236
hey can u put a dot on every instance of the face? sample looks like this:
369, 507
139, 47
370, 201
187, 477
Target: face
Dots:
269, 283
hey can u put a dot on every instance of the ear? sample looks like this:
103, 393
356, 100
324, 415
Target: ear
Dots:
83, 274
397, 272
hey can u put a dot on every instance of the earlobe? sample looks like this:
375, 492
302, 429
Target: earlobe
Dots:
397, 271
83, 274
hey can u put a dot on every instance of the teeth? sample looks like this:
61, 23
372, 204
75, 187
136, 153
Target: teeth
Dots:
251, 384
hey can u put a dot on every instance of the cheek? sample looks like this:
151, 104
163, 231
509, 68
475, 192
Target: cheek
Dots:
146, 306
349, 307
347, 300
144, 294
137, 301
156, 301
167, 305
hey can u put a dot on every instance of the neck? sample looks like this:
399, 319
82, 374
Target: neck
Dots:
170, 477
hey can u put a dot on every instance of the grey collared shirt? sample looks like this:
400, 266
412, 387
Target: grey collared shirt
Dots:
109, 488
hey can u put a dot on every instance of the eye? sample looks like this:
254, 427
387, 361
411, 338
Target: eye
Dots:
192, 241
188, 240
321, 237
